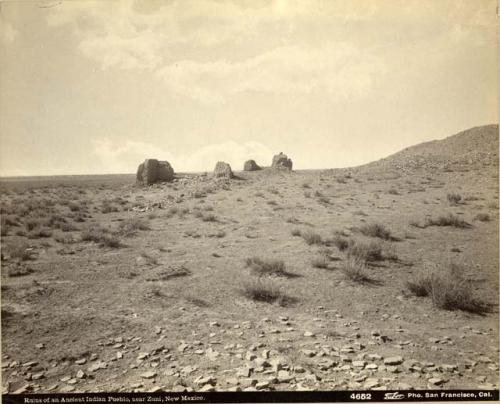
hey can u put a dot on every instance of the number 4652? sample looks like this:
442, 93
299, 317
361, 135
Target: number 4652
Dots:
361, 396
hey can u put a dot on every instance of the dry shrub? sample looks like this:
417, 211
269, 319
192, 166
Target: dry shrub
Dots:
101, 236
448, 220
376, 230
20, 251
371, 251
267, 266
312, 238
454, 199
448, 289
483, 217
43, 232
210, 217
340, 242
321, 261
19, 270
266, 291
130, 226
355, 269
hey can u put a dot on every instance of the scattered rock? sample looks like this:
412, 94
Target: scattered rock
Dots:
309, 353
284, 376
393, 360
204, 380
148, 375
96, 366
182, 347
435, 381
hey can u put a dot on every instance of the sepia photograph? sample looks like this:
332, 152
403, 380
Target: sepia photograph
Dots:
249, 200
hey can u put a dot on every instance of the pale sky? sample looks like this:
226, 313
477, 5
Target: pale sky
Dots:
95, 87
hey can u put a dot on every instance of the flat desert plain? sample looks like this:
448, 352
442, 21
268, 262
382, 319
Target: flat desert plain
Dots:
383, 276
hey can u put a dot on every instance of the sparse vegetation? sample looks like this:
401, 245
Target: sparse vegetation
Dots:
210, 217
355, 269
101, 236
367, 252
448, 220
321, 261
267, 266
448, 289
131, 226
312, 238
340, 242
376, 230
261, 290
19, 270
483, 217
454, 198
43, 232
21, 251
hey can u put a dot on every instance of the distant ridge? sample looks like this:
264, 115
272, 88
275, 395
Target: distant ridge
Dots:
477, 146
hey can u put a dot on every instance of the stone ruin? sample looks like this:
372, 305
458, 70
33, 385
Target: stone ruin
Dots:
223, 170
281, 161
251, 165
152, 171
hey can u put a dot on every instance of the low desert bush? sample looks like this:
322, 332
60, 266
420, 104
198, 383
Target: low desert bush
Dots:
376, 230
43, 232
296, 232
131, 226
65, 239
74, 207
20, 251
340, 242
448, 220
321, 261
324, 200
454, 198
448, 289
32, 223
267, 266
370, 252
265, 291
355, 269
108, 207
210, 217
483, 217
312, 238
101, 236
19, 270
